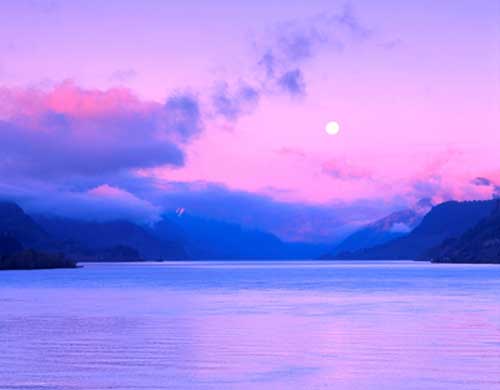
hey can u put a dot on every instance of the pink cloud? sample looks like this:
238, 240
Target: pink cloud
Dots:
72, 130
343, 169
67, 98
116, 202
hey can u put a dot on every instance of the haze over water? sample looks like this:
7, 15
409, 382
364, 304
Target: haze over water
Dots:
234, 325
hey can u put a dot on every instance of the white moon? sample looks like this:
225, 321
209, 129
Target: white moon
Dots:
332, 128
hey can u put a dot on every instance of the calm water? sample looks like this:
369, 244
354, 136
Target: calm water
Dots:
229, 325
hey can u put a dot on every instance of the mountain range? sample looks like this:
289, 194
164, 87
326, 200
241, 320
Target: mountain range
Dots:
379, 232
448, 220
210, 239
450, 232
480, 244
174, 237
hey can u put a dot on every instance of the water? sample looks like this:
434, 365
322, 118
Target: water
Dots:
233, 325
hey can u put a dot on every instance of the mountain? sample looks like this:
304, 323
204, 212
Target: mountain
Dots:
31, 259
19, 231
9, 245
16, 223
173, 238
82, 240
209, 239
379, 232
444, 221
480, 244
118, 240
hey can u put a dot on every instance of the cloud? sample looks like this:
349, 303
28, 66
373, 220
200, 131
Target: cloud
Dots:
485, 182
293, 221
444, 182
293, 82
348, 19
144, 199
181, 116
423, 205
231, 104
391, 44
72, 131
282, 55
123, 75
114, 202
482, 181
101, 203
342, 169
294, 42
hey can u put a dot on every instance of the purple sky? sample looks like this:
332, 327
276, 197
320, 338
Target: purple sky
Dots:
132, 108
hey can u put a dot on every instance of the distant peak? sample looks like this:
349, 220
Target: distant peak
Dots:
423, 205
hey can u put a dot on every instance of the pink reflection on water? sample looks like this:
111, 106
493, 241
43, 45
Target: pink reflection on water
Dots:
159, 333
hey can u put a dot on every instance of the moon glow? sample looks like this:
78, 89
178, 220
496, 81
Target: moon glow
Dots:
332, 128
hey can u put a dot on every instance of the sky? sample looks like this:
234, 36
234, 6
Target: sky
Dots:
136, 108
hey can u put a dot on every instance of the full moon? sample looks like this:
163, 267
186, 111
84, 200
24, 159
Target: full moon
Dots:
332, 128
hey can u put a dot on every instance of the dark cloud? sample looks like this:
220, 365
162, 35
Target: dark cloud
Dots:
295, 44
59, 152
181, 116
293, 82
482, 181
232, 104
485, 182
69, 131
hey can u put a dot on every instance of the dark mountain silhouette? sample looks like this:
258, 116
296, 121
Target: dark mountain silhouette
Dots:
9, 245
173, 238
13, 256
16, 223
30, 259
82, 240
447, 220
210, 239
395, 225
480, 244
117, 240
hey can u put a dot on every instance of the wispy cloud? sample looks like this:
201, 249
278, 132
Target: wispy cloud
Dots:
281, 57
231, 104
293, 82
123, 75
490, 184
293, 43
343, 170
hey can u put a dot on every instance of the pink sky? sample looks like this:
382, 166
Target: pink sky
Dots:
417, 96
